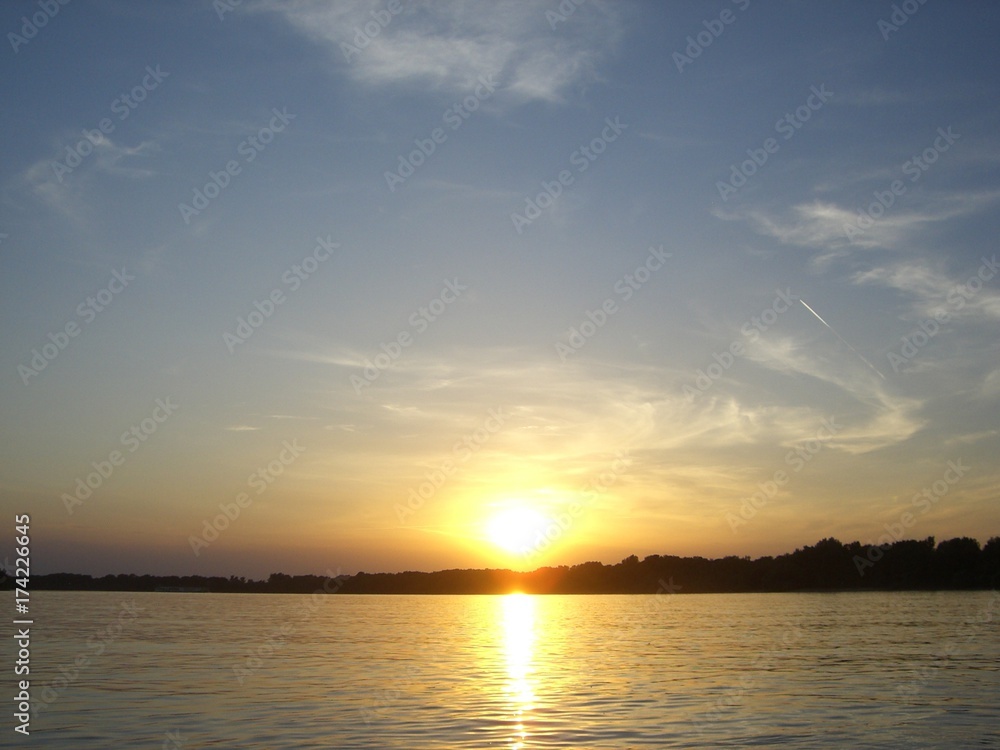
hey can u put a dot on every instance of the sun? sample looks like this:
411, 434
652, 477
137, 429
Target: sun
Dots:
516, 530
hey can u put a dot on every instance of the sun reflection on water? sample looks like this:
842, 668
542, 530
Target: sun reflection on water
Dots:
519, 642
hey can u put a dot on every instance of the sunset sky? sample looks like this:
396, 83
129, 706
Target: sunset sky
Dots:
323, 256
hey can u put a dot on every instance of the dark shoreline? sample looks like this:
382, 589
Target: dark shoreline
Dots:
827, 567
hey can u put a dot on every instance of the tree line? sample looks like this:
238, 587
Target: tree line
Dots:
829, 565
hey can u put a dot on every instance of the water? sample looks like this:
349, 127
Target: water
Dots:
878, 670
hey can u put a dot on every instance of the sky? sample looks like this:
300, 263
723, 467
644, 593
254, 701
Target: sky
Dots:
305, 286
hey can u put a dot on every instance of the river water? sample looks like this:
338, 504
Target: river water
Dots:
174, 670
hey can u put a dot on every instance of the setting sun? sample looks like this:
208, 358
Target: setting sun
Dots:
516, 530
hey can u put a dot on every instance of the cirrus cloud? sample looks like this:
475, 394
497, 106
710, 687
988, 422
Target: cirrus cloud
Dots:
448, 45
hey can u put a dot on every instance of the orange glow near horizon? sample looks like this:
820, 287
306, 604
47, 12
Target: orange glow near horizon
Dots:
523, 528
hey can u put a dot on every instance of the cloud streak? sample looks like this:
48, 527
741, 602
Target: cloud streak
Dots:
824, 225
933, 290
446, 46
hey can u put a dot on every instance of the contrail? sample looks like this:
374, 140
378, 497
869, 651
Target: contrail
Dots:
816, 314
860, 355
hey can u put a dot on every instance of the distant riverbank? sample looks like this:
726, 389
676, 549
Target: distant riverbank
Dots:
829, 565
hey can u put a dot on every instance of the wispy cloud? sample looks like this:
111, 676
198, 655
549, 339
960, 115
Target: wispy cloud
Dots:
69, 191
880, 416
565, 415
972, 437
932, 290
990, 387
825, 225
447, 45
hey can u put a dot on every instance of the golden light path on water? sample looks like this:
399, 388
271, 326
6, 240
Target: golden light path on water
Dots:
519, 643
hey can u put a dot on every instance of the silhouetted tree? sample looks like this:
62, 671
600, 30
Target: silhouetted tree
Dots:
957, 562
829, 564
989, 559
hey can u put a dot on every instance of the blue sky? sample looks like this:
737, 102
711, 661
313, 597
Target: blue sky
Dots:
685, 173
